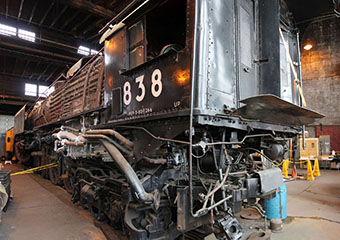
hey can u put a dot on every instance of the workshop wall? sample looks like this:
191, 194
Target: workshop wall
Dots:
321, 69
321, 77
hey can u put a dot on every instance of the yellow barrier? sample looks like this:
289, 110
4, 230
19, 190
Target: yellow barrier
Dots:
31, 170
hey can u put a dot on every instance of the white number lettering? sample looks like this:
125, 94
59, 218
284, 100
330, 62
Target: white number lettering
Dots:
141, 86
157, 86
127, 93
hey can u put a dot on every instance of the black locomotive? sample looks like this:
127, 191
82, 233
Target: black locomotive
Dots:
178, 121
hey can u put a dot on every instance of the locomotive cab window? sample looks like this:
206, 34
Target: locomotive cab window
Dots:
160, 31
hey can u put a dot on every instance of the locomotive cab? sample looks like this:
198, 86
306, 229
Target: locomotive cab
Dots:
216, 53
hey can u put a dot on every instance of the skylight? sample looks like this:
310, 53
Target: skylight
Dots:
26, 35
83, 50
93, 52
30, 89
45, 91
8, 30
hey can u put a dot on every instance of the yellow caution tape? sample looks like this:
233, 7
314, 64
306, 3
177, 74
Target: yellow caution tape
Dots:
31, 170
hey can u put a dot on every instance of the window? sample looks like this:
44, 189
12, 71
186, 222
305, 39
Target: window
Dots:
83, 50
8, 30
136, 44
45, 91
146, 41
30, 89
93, 52
26, 35
40, 90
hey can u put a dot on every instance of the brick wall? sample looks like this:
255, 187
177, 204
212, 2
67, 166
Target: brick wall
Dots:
321, 77
321, 69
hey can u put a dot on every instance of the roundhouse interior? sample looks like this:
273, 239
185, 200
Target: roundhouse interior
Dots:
169, 119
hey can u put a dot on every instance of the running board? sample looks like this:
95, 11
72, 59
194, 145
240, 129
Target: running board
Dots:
272, 109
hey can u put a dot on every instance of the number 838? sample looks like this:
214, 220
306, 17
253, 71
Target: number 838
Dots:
156, 87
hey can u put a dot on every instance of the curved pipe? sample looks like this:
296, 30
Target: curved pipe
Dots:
69, 136
130, 174
101, 136
155, 161
66, 142
70, 129
112, 133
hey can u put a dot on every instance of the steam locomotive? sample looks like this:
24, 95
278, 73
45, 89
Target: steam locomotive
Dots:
178, 122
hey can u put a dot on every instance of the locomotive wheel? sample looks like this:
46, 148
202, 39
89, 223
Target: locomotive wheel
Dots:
20, 153
68, 179
44, 173
54, 173
68, 184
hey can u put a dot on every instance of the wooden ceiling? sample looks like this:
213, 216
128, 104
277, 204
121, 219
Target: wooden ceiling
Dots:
61, 26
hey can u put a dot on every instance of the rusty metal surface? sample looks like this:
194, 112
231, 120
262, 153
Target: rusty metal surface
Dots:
82, 93
260, 235
250, 214
271, 109
19, 120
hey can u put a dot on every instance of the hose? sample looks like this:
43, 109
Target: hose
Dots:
221, 184
130, 175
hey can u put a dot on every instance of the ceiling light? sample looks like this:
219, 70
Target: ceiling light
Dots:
308, 46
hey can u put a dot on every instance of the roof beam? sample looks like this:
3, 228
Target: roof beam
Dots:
6, 8
19, 98
57, 18
42, 74
68, 21
19, 77
33, 70
46, 13
80, 23
33, 11
91, 26
11, 102
20, 9
56, 69
39, 51
31, 57
89, 7
26, 64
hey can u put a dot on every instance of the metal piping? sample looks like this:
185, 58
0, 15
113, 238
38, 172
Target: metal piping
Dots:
220, 174
113, 133
69, 136
193, 79
300, 77
66, 142
131, 176
100, 136
127, 9
155, 161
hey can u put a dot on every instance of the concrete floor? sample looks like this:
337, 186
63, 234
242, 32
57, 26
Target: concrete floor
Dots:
40, 210
313, 208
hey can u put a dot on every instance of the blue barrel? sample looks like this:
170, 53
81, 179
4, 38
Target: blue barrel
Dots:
277, 207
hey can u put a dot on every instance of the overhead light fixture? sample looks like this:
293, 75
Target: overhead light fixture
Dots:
308, 47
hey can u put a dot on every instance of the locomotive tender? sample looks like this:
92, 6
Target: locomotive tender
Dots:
162, 133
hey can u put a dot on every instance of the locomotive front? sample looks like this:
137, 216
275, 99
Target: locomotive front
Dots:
183, 134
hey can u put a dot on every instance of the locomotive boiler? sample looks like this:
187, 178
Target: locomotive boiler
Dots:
178, 122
